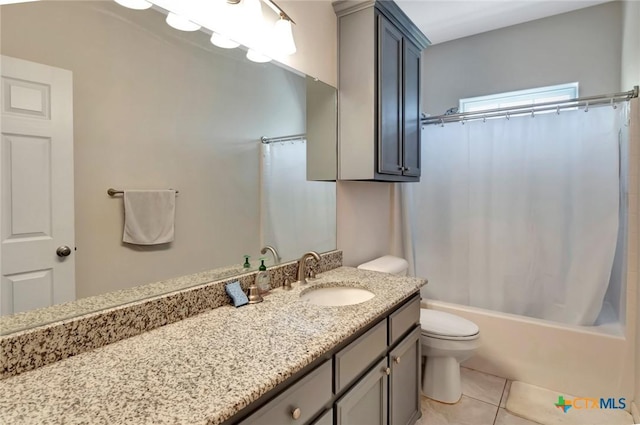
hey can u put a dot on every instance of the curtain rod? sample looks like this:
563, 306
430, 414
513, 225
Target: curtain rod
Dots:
293, 137
532, 109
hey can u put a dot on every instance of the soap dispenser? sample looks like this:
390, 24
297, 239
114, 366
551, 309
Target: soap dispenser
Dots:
246, 266
262, 278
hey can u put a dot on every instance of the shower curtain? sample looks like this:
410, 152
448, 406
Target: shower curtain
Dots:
296, 215
519, 215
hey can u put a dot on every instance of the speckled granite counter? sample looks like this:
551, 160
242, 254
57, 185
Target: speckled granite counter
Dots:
201, 370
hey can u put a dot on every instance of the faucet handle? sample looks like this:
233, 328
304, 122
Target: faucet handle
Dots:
287, 282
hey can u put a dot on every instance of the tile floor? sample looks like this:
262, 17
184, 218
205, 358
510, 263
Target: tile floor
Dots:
483, 403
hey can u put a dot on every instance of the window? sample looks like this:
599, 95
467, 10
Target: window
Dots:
520, 98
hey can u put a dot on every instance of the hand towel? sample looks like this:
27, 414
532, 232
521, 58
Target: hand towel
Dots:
149, 216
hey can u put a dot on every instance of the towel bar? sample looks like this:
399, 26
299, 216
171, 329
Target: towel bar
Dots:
112, 192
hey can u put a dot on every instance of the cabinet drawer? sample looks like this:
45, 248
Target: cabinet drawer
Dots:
356, 357
309, 395
404, 319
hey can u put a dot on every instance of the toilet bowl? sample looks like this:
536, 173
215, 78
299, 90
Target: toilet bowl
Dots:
446, 340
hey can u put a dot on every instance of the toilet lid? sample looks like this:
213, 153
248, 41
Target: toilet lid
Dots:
445, 324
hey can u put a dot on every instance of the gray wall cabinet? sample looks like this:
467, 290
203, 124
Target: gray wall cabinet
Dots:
371, 379
379, 92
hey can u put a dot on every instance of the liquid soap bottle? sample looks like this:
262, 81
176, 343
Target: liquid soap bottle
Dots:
246, 266
262, 278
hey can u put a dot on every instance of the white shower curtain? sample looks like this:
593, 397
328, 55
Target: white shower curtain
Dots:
520, 215
296, 215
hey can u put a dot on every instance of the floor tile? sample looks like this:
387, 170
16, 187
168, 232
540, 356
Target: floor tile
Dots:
481, 386
506, 418
467, 411
505, 394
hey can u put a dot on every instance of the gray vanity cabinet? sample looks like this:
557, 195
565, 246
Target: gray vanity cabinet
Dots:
379, 96
404, 380
371, 380
366, 402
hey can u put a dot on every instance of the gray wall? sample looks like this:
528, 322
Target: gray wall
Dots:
583, 46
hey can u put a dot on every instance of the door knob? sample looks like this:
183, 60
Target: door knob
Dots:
63, 251
396, 360
387, 371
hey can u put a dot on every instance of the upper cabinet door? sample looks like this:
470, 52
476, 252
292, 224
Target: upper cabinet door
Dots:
390, 102
411, 94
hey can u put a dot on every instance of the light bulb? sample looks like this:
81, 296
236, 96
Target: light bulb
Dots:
283, 37
253, 24
223, 42
134, 4
181, 23
254, 56
253, 11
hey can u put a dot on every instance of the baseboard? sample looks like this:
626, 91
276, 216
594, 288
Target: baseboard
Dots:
635, 412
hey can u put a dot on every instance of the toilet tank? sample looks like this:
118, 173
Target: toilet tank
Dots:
387, 264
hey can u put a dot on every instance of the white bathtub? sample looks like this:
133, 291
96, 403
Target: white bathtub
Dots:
569, 359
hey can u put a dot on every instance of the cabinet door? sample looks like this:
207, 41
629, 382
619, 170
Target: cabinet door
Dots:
411, 92
389, 98
404, 381
366, 402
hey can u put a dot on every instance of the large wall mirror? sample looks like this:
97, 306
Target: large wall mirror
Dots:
152, 108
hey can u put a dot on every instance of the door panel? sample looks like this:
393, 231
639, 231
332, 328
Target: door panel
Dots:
389, 98
411, 91
404, 382
366, 402
36, 192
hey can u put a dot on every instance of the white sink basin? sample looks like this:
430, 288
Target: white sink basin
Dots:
335, 296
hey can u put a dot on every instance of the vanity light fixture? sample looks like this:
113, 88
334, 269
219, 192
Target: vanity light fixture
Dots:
255, 56
181, 23
283, 36
134, 4
221, 41
231, 23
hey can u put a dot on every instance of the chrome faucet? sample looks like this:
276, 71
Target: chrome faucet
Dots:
274, 252
302, 265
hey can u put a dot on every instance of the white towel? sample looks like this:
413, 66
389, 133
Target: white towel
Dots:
149, 216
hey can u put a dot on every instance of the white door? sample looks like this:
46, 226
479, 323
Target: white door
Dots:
36, 190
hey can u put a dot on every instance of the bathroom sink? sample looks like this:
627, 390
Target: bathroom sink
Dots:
335, 296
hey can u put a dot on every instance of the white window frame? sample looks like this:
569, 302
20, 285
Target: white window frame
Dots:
520, 98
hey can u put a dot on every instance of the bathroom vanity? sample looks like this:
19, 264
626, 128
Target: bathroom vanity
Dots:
371, 378
282, 361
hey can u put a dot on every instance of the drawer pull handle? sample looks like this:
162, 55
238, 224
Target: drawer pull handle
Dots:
396, 360
387, 371
295, 413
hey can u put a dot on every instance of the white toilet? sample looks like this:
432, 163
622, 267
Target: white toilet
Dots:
447, 340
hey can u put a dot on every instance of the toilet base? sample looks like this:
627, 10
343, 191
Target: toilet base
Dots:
441, 379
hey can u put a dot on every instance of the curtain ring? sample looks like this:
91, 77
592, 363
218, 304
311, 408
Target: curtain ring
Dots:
533, 114
441, 122
586, 107
462, 120
508, 116
613, 105
484, 118
558, 109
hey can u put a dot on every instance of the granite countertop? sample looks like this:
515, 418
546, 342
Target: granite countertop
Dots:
201, 370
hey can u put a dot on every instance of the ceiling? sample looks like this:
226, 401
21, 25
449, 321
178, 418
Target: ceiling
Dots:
442, 20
